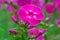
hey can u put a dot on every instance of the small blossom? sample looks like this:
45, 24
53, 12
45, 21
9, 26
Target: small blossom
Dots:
39, 3
43, 31
1, 1
38, 34
55, 1
0, 7
58, 22
58, 6
12, 31
23, 2
31, 14
50, 8
14, 18
41, 37
33, 31
0, 4
9, 8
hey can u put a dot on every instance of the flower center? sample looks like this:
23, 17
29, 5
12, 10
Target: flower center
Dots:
31, 13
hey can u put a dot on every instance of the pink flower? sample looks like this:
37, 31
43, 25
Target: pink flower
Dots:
39, 3
41, 37
1, 4
31, 14
14, 18
43, 31
1, 1
9, 8
0, 7
58, 22
23, 2
12, 31
55, 1
58, 6
50, 8
33, 32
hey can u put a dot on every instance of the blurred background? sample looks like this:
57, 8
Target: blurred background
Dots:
6, 24
53, 33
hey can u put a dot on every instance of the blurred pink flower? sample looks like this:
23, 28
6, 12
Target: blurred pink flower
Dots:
43, 31
9, 8
58, 22
55, 1
1, 4
33, 32
1, 1
50, 8
23, 2
39, 3
12, 31
0, 7
58, 6
31, 14
41, 37
14, 18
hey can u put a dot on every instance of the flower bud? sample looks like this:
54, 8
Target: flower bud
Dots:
14, 18
50, 8
58, 22
12, 31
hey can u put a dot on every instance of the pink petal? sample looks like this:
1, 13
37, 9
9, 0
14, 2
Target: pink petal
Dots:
0, 7
33, 31
41, 37
34, 22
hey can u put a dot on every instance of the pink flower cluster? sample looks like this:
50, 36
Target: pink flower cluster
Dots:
38, 34
30, 12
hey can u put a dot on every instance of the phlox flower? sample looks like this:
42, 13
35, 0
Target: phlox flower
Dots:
31, 14
50, 8
35, 32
